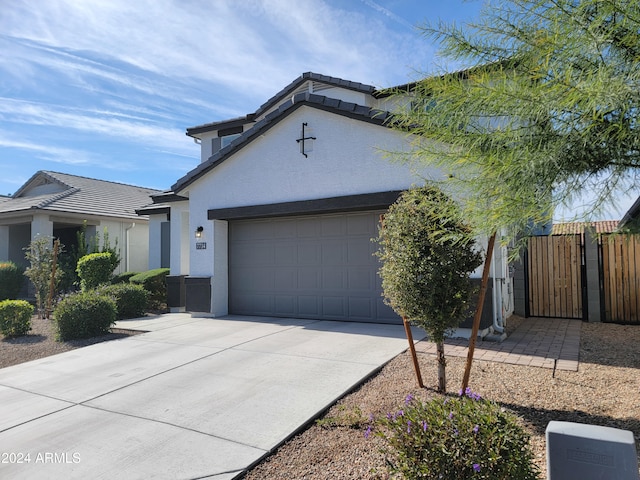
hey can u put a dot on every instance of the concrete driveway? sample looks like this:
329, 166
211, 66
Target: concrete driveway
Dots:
192, 398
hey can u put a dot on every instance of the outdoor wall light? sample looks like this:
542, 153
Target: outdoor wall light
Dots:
199, 231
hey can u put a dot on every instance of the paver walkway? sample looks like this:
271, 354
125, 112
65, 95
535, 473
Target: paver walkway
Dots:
537, 342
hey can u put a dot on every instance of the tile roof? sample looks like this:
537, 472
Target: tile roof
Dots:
316, 77
283, 94
574, 228
81, 195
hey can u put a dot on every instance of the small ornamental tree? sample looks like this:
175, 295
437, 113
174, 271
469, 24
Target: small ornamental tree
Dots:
40, 255
427, 255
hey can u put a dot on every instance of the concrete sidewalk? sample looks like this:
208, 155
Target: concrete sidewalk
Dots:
192, 398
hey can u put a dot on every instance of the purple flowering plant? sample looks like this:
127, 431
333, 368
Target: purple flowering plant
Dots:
454, 437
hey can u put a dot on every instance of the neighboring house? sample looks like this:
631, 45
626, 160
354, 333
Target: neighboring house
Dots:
632, 217
278, 217
59, 204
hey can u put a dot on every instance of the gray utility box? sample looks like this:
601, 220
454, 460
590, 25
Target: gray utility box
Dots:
590, 452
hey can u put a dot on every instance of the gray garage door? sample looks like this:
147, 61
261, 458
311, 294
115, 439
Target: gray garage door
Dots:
317, 266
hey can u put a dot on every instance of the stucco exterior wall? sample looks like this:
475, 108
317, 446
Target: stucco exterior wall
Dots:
347, 158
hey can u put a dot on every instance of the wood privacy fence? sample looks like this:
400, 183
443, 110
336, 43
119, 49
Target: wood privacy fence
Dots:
620, 261
556, 277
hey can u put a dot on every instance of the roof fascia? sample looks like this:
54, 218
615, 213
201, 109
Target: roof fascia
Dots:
212, 127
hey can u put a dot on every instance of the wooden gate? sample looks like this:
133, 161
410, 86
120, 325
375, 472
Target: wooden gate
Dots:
555, 276
620, 262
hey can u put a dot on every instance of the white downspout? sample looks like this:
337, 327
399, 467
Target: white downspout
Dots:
498, 325
126, 241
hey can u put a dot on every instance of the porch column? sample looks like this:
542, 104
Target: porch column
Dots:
155, 241
180, 239
593, 277
4, 242
41, 226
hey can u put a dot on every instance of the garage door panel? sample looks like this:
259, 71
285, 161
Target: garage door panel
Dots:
333, 252
284, 228
358, 252
285, 305
333, 278
285, 254
334, 307
308, 279
319, 266
257, 304
309, 254
361, 279
253, 255
361, 307
308, 306
360, 224
284, 279
308, 227
333, 226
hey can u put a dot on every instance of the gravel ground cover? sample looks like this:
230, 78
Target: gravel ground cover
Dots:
41, 342
604, 391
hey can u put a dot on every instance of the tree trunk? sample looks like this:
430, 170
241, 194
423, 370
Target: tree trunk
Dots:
442, 363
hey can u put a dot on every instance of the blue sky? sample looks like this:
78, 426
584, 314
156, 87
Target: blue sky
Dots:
106, 88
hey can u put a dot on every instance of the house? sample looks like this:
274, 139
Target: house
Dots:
278, 217
59, 204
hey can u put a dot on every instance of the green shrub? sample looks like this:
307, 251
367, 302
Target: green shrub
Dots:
131, 300
15, 317
94, 269
84, 315
11, 280
123, 277
456, 437
154, 282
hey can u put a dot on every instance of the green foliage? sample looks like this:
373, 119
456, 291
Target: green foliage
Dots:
39, 253
131, 300
95, 269
85, 246
11, 280
123, 277
155, 282
84, 315
546, 112
427, 255
15, 317
455, 438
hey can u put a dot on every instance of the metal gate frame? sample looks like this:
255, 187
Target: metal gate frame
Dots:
555, 271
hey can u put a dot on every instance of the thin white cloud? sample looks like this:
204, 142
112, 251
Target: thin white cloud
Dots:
50, 153
143, 132
388, 13
249, 45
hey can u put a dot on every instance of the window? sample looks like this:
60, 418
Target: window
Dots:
227, 139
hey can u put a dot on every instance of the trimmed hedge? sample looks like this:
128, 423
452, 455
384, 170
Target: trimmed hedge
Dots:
15, 317
95, 269
123, 277
11, 280
154, 282
84, 315
131, 300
